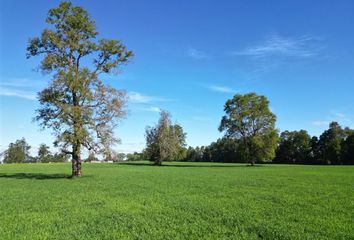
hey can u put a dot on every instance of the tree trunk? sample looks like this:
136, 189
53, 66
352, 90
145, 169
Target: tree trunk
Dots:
76, 159
252, 162
157, 162
76, 162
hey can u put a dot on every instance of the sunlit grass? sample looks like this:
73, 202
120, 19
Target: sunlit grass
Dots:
176, 201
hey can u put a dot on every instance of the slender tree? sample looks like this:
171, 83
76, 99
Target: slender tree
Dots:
165, 141
44, 154
77, 105
249, 119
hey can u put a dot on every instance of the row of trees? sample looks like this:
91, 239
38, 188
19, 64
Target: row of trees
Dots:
250, 136
249, 127
335, 146
18, 152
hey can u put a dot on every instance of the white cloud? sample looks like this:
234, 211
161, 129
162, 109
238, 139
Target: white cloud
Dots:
21, 87
276, 45
152, 109
22, 82
320, 123
336, 116
136, 97
221, 89
339, 114
10, 92
196, 54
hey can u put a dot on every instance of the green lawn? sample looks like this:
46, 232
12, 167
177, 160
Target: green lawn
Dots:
176, 201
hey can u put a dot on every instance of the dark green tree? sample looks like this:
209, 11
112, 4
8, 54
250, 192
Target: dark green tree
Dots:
77, 105
294, 147
17, 152
249, 119
347, 154
330, 144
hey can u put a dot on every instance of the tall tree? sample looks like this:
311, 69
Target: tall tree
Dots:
330, 144
249, 119
165, 141
77, 105
17, 152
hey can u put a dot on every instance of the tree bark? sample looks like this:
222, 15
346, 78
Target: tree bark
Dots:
76, 162
252, 162
76, 156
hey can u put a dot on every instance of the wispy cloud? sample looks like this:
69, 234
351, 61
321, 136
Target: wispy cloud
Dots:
196, 54
320, 123
151, 109
277, 51
337, 116
276, 45
136, 97
20, 87
221, 89
10, 92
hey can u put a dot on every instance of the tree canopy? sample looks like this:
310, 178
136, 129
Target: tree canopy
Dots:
248, 118
17, 152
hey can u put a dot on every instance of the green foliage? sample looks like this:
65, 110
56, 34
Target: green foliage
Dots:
44, 155
330, 144
91, 157
165, 141
120, 157
294, 147
347, 154
135, 156
80, 109
249, 119
177, 201
17, 152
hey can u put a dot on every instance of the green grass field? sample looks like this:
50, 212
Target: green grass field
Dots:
176, 201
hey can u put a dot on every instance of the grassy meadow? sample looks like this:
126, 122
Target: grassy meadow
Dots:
176, 201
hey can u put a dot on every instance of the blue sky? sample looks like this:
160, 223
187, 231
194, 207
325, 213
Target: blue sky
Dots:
191, 56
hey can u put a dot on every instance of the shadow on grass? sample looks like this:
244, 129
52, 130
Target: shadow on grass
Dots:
39, 176
192, 165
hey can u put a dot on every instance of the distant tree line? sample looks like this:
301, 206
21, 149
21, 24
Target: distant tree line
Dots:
335, 146
18, 152
250, 137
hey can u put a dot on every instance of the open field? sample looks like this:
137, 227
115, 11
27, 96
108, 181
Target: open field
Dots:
177, 201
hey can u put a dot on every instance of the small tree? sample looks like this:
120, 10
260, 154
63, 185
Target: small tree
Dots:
249, 119
165, 141
77, 105
44, 155
17, 152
